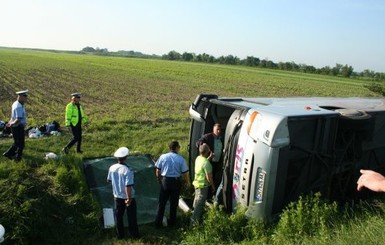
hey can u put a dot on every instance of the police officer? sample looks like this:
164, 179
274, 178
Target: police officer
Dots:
17, 124
122, 178
74, 119
170, 167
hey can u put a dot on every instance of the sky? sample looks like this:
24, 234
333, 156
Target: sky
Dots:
312, 32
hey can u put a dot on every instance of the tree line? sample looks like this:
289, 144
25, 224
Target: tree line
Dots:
251, 61
337, 70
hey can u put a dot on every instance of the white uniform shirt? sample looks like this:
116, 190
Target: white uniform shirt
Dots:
171, 164
18, 111
121, 176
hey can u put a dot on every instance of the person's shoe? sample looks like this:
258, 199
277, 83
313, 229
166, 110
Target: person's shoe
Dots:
65, 150
80, 152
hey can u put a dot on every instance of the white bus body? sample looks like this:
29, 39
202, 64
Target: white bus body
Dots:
276, 149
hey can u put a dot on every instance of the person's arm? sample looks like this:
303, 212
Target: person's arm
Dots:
372, 180
18, 113
211, 156
68, 115
186, 179
109, 177
209, 177
158, 174
128, 193
202, 140
10, 123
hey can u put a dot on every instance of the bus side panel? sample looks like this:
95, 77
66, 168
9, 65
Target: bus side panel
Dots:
231, 138
264, 176
241, 155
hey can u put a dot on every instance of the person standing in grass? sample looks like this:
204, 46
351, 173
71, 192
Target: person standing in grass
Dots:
74, 119
215, 142
17, 123
122, 178
203, 182
170, 167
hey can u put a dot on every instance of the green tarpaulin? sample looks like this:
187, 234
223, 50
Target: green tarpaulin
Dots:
146, 186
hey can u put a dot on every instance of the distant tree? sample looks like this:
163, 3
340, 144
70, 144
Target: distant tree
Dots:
288, 66
379, 76
221, 60
88, 49
231, 60
374, 76
336, 70
346, 71
173, 55
325, 70
205, 58
101, 50
307, 69
187, 56
251, 61
270, 64
263, 63
367, 73
295, 66
198, 58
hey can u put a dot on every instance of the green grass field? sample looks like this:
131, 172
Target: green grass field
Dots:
138, 103
145, 100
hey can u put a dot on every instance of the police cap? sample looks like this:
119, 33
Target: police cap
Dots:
76, 95
22, 93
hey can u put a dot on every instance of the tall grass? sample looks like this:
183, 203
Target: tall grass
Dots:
221, 228
47, 204
311, 220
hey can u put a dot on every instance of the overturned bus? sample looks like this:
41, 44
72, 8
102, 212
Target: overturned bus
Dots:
276, 149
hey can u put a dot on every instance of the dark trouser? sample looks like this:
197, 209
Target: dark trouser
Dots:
217, 173
169, 189
131, 216
217, 177
16, 149
76, 137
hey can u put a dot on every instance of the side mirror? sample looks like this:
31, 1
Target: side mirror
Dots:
194, 114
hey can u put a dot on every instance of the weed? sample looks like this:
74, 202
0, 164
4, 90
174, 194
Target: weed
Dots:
309, 216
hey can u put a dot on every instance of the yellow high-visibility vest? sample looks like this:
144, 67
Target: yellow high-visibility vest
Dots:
72, 115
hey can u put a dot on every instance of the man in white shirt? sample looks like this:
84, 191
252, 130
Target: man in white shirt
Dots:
122, 178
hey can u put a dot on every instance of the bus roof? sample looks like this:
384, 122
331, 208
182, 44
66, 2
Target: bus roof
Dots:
298, 106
